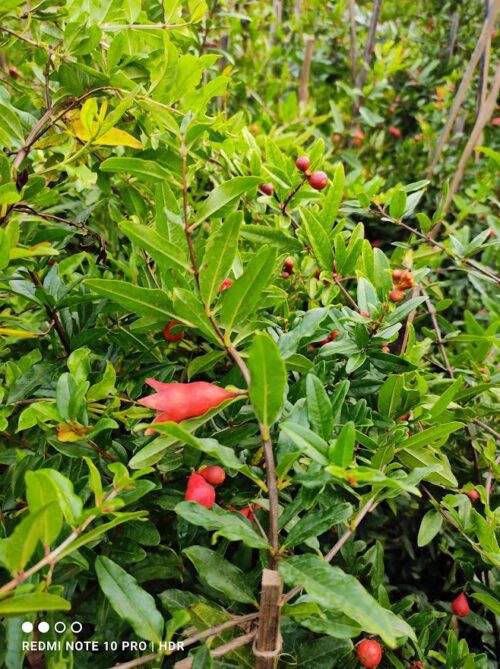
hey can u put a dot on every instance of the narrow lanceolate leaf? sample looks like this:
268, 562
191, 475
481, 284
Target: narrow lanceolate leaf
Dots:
224, 195
429, 527
166, 254
335, 590
318, 239
227, 524
220, 574
268, 379
319, 409
189, 310
33, 602
39, 494
315, 523
129, 600
307, 441
149, 302
144, 170
333, 198
219, 255
433, 435
242, 299
441, 404
342, 452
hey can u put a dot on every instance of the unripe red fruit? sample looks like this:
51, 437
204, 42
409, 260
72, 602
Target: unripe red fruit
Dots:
460, 606
302, 163
170, 336
491, 233
397, 273
473, 495
369, 653
496, 121
395, 132
365, 314
285, 275
318, 180
227, 283
199, 491
288, 265
247, 512
396, 295
267, 189
417, 665
336, 138
213, 474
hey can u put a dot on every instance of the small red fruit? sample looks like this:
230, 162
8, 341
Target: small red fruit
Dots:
227, 283
395, 132
491, 233
168, 335
385, 348
213, 474
199, 491
336, 138
397, 274
267, 189
288, 265
285, 275
302, 163
247, 512
369, 653
396, 295
365, 314
417, 665
358, 137
318, 180
473, 495
496, 121
460, 606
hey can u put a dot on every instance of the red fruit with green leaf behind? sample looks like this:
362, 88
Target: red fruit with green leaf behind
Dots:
395, 132
267, 189
199, 491
171, 332
369, 653
288, 265
417, 665
227, 283
473, 495
303, 163
178, 401
213, 474
318, 180
460, 606
396, 295
365, 314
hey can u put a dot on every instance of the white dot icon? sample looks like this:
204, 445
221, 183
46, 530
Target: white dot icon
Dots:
43, 627
27, 627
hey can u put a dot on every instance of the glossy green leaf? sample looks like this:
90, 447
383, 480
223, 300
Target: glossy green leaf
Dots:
166, 254
223, 195
220, 252
267, 379
145, 170
33, 602
143, 301
430, 526
315, 523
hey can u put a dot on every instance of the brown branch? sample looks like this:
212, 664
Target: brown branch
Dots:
346, 293
464, 84
455, 19
306, 70
54, 316
367, 57
220, 651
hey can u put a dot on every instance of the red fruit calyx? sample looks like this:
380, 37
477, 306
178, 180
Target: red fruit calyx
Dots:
460, 606
318, 180
199, 491
302, 163
227, 283
213, 474
267, 189
168, 335
396, 295
369, 653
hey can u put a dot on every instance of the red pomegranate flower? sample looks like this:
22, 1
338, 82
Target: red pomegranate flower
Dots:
178, 401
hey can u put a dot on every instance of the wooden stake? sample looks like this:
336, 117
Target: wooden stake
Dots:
306, 70
367, 57
267, 645
484, 69
455, 20
465, 83
353, 50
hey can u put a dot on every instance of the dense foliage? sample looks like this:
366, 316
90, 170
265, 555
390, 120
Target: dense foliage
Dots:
319, 362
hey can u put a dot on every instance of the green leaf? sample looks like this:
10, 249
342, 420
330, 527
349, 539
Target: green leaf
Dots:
33, 602
38, 495
397, 206
11, 132
433, 435
189, 310
308, 442
425, 456
261, 234
333, 198
242, 299
145, 170
441, 404
220, 253
9, 194
223, 195
267, 379
315, 523
221, 574
342, 451
430, 526
166, 254
335, 590
318, 240
129, 600
150, 302
95, 482
390, 395
319, 409
227, 524
491, 603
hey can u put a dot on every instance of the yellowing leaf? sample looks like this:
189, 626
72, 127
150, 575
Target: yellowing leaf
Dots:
113, 137
15, 332
69, 432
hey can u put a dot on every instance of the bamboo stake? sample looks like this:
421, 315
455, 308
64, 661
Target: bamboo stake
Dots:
367, 57
306, 70
465, 83
483, 74
267, 644
353, 50
455, 19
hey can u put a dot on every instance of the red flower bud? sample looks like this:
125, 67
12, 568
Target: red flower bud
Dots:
302, 163
171, 336
227, 283
460, 606
369, 653
318, 180
178, 401
213, 474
